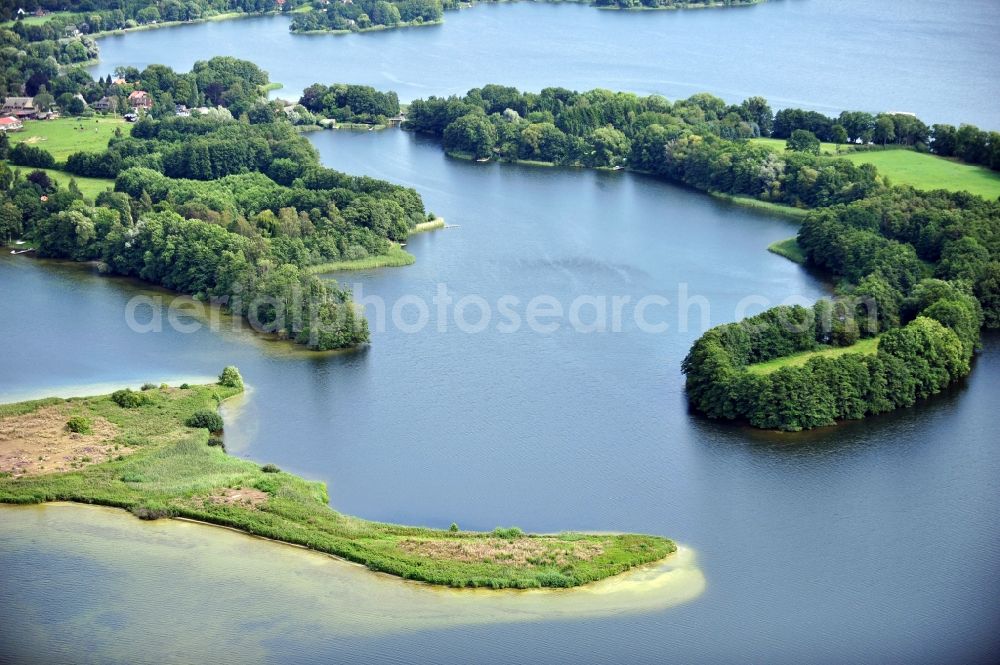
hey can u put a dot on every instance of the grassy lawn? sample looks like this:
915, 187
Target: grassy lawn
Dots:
927, 172
90, 187
788, 248
146, 460
779, 144
36, 20
865, 347
919, 170
65, 136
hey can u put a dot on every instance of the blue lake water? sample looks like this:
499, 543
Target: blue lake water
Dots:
868, 542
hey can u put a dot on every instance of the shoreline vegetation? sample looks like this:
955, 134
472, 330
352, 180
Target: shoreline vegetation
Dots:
336, 20
788, 248
370, 15
160, 453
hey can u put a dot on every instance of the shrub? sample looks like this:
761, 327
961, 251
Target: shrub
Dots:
270, 468
185, 386
231, 378
163, 386
148, 386
216, 442
209, 420
152, 512
510, 532
79, 425
453, 528
129, 399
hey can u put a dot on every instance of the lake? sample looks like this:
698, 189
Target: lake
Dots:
867, 542
827, 55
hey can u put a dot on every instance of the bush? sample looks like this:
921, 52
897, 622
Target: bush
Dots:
216, 442
149, 386
152, 512
270, 468
185, 386
509, 532
231, 378
453, 528
28, 155
79, 425
209, 420
129, 399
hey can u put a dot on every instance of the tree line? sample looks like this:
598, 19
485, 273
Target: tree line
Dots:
350, 103
603, 128
366, 15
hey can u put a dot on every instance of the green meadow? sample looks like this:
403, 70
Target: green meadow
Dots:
864, 347
919, 170
64, 136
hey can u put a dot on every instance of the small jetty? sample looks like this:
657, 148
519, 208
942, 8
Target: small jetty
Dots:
23, 251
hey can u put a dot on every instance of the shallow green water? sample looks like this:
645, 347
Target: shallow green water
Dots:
92, 584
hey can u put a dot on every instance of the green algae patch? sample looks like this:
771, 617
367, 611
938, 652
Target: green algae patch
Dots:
167, 469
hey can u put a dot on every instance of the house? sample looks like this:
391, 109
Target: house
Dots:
140, 100
9, 124
182, 111
131, 117
105, 104
19, 107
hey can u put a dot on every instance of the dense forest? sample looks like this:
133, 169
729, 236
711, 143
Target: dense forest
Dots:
918, 270
350, 103
234, 210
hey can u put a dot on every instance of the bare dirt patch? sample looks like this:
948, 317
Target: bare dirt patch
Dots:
38, 442
516, 552
244, 497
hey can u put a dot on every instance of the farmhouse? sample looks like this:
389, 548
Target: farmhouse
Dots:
140, 99
105, 104
9, 124
19, 107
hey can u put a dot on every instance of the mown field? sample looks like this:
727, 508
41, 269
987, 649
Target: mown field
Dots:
865, 347
919, 170
146, 460
65, 136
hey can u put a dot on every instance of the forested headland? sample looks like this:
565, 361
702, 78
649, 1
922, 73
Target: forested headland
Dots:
237, 210
918, 271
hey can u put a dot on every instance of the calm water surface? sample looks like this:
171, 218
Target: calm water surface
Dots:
920, 56
869, 542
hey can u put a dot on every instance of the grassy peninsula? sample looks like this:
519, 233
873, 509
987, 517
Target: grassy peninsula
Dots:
143, 457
